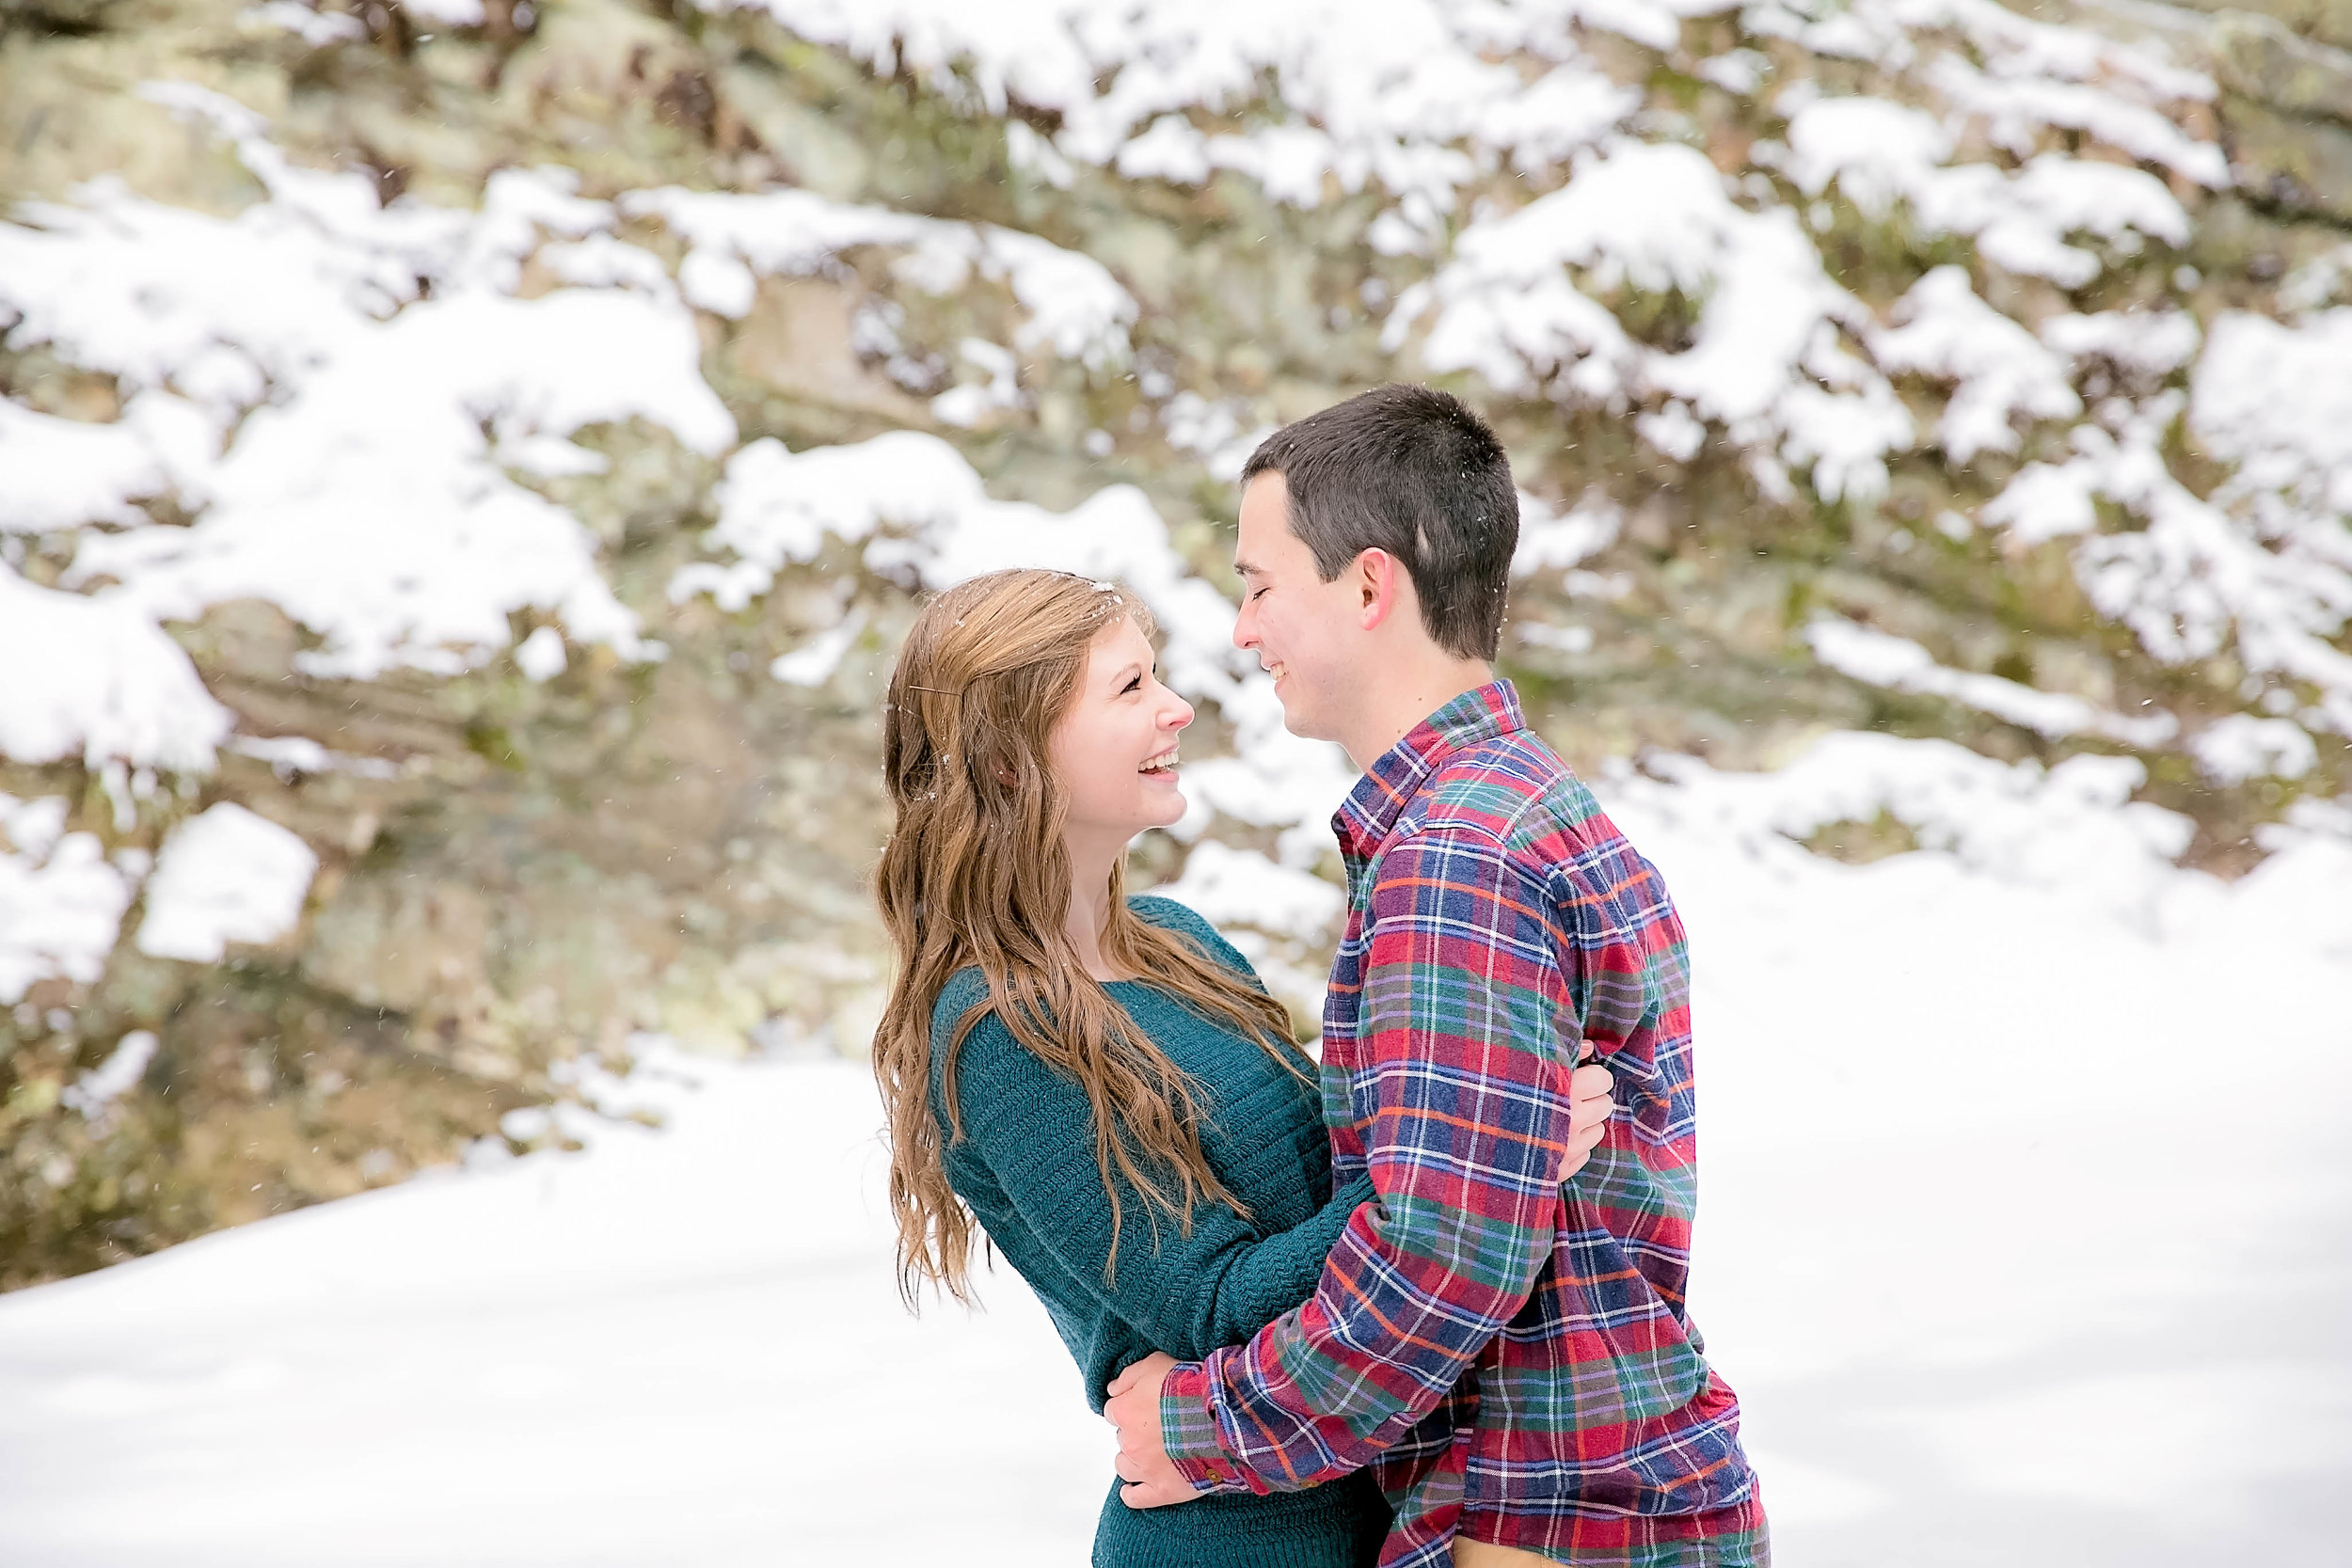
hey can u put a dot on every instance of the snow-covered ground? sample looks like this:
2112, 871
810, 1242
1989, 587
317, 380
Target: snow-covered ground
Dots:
2027, 1237
2028, 1227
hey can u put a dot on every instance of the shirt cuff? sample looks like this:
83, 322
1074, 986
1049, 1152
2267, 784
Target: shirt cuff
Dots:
1188, 1431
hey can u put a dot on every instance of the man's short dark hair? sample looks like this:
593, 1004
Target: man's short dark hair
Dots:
1411, 472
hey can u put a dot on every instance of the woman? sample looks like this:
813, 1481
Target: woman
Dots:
1101, 1083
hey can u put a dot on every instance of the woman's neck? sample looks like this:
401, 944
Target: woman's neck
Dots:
1091, 867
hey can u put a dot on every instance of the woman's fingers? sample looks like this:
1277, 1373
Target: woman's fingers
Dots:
1124, 1381
1582, 1139
1139, 1494
1145, 1485
1589, 1110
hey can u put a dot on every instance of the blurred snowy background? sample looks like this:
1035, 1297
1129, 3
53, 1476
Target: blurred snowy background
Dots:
464, 465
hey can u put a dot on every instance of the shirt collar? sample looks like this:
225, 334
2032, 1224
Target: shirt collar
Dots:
1369, 814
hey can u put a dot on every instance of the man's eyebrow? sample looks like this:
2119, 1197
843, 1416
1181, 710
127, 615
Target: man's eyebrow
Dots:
1249, 569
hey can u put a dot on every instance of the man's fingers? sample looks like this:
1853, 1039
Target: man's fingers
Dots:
1125, 1380
1591, 1083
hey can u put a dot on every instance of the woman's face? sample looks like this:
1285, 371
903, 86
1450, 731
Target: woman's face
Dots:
1114, 751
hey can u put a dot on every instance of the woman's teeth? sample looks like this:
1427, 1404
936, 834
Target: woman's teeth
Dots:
1160, 763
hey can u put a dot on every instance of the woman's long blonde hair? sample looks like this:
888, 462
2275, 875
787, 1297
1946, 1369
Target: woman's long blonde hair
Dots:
975, 875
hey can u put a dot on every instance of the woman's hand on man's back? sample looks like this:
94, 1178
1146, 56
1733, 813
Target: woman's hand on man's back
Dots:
1589, 1110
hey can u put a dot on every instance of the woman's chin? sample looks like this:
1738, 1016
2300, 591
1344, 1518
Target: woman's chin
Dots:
1164, 803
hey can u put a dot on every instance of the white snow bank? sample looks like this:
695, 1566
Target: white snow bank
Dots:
540, 656
1765, 360
1075, 308
1880, 658
2193, 579
2072, 831
1879, 152
2145, 346
372, 508
2277, 401
1410, 95
2057, 865
2016, 110
2017, 83
2241, 747
918, 508
708, 1309
1229, 886
224, 876
2002, 372
365, 499
62, 473
1554, 542
92, 678
813, 662
60, 902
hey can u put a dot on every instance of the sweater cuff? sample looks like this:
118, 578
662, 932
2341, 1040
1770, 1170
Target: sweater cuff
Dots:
1188, 1431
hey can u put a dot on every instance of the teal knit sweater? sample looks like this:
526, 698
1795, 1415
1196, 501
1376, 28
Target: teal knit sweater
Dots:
1025, 1164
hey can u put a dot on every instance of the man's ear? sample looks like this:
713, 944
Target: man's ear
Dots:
1379, 581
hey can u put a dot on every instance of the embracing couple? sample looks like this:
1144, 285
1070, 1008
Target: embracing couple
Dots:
1421, 1303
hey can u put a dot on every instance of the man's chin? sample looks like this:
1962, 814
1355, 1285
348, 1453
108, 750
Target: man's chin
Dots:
1299, 716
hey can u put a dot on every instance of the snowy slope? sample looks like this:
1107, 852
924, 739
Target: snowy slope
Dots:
2024, 1236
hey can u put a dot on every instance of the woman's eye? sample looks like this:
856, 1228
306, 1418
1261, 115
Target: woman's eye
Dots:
1134, 684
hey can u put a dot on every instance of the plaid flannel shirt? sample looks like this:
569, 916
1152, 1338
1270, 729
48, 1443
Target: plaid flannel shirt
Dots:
1509, 1353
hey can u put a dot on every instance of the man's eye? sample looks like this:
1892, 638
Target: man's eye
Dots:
1257, 594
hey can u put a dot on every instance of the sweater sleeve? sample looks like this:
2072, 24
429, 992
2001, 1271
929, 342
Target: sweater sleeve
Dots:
1217, 1285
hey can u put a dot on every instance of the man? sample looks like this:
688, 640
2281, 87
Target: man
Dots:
1508, 1351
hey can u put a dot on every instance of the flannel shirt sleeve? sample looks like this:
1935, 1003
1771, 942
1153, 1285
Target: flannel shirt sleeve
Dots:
1466, 1039
1218, 1284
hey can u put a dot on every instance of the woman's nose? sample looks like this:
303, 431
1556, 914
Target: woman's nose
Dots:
1179, 714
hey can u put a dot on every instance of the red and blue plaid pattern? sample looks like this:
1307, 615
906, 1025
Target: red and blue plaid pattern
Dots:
1510, 1354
